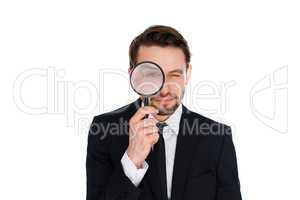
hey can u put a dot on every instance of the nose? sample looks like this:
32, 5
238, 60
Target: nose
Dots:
164, 90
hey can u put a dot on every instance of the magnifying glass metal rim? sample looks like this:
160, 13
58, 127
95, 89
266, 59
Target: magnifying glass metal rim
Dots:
139, 64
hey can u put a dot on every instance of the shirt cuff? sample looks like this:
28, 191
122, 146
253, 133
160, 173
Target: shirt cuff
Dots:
134, 174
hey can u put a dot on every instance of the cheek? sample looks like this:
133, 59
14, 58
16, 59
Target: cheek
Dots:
176, 86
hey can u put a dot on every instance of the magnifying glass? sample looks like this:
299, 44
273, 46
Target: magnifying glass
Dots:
147, 79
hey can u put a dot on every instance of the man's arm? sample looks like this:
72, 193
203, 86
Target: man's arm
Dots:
228, 185
105, 181
134, 174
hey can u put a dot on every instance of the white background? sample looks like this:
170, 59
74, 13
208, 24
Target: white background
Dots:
62, 62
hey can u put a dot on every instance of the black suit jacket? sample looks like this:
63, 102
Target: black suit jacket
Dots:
205, 164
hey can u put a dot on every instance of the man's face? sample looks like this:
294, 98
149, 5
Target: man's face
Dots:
172, 61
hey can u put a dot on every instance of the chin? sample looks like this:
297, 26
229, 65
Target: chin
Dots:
166, 109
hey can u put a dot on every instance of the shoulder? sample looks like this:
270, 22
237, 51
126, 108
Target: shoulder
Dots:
111, 123
110, 116
204, 125
123, 112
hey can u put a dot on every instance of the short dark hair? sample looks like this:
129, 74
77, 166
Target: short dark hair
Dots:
161, 36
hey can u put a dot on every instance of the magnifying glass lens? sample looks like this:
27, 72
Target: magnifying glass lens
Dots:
147, 78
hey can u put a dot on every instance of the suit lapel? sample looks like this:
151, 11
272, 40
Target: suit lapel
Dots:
185, 148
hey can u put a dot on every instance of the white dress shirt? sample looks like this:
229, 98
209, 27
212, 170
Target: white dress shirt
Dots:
170, 133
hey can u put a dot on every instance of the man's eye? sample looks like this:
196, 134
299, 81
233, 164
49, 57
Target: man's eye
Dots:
176, 75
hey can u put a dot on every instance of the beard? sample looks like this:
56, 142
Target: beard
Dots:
164, 109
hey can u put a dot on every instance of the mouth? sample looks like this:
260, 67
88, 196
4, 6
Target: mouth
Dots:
164, 99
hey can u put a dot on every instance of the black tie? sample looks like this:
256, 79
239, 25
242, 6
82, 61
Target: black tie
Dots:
161, 156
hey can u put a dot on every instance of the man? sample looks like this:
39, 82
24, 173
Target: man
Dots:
175, 153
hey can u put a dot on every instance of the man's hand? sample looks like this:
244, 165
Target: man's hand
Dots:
143, 133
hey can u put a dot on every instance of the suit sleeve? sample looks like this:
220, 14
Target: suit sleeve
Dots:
105, 181
228, 185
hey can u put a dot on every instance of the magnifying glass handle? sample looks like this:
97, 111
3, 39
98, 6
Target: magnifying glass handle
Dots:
146, 103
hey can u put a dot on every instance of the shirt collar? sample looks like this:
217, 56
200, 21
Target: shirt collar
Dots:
174, 120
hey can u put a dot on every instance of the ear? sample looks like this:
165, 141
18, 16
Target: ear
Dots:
188, 73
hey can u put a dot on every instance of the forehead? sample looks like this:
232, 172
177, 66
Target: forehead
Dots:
168, 58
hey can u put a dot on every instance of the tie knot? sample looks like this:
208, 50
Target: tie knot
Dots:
161, 125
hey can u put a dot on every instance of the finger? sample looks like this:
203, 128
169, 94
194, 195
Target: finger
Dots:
153, 138
146, 123
150, 130
141, 112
